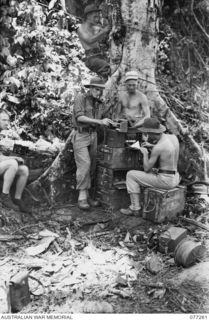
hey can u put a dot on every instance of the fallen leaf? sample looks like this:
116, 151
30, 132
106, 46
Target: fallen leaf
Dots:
121, 281
154, 264
53, 267
97, 256
122, 293
159, 294
127, 237
48, 233
41, 246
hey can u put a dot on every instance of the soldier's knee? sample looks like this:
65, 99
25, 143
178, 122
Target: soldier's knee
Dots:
12, 163
130, 175
23, 170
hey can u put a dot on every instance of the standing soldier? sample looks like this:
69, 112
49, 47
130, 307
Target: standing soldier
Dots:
90, 37
88, 112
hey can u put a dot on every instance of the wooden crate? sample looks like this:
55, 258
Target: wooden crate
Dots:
107, 178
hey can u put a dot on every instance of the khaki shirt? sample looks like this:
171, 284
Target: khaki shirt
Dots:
86, 105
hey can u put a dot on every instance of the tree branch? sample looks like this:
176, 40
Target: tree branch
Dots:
197, 21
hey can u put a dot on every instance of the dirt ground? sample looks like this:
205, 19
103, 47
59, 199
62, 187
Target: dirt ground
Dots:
97, 262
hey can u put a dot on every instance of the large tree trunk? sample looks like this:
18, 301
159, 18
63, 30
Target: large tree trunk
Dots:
139, 51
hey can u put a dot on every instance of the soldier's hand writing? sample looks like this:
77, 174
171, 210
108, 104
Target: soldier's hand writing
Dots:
147, 144
144, 151
106, 122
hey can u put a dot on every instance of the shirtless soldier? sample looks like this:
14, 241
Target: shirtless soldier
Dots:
133, 104
166, 151
90, 37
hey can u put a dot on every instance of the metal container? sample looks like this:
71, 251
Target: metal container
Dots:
113, 199
199, 187
114, 138
19, 149
169, 239
163, 205
19, 291
119, 158
188, 252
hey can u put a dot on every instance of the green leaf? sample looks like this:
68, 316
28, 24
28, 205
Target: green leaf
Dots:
20, 40
13, 99
12, 80
52, 4
5, 52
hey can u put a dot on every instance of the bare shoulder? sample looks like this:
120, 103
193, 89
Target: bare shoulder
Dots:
142, 97
170, 139
141, 94
122, 95
81, 30
158, 148
173, 137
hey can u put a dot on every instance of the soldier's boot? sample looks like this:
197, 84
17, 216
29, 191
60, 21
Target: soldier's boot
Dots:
134, 209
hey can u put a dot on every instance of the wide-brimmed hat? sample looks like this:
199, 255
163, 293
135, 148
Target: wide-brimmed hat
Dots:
152, 125
131, 75
91, 8
95, 82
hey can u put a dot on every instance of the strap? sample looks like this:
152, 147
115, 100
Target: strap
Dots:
39, 283
86, 129
166, 171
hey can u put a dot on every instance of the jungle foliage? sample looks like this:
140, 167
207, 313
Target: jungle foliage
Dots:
41, 63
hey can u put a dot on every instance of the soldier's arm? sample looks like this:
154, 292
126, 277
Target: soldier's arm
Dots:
79, 113
119, 108
146, 109
94, 38
102, 122
149, 162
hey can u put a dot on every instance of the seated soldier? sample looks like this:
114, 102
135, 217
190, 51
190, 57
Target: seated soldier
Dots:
90, 37
11, 167
133, 104
166, 152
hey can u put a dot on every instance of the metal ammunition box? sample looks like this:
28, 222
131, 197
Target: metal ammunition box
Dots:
38, 161
19, 291
169, 239
114, 138
113, 199
163, 205
21, 150
119, 158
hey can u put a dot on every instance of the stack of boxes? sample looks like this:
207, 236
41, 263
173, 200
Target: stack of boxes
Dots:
114, 161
